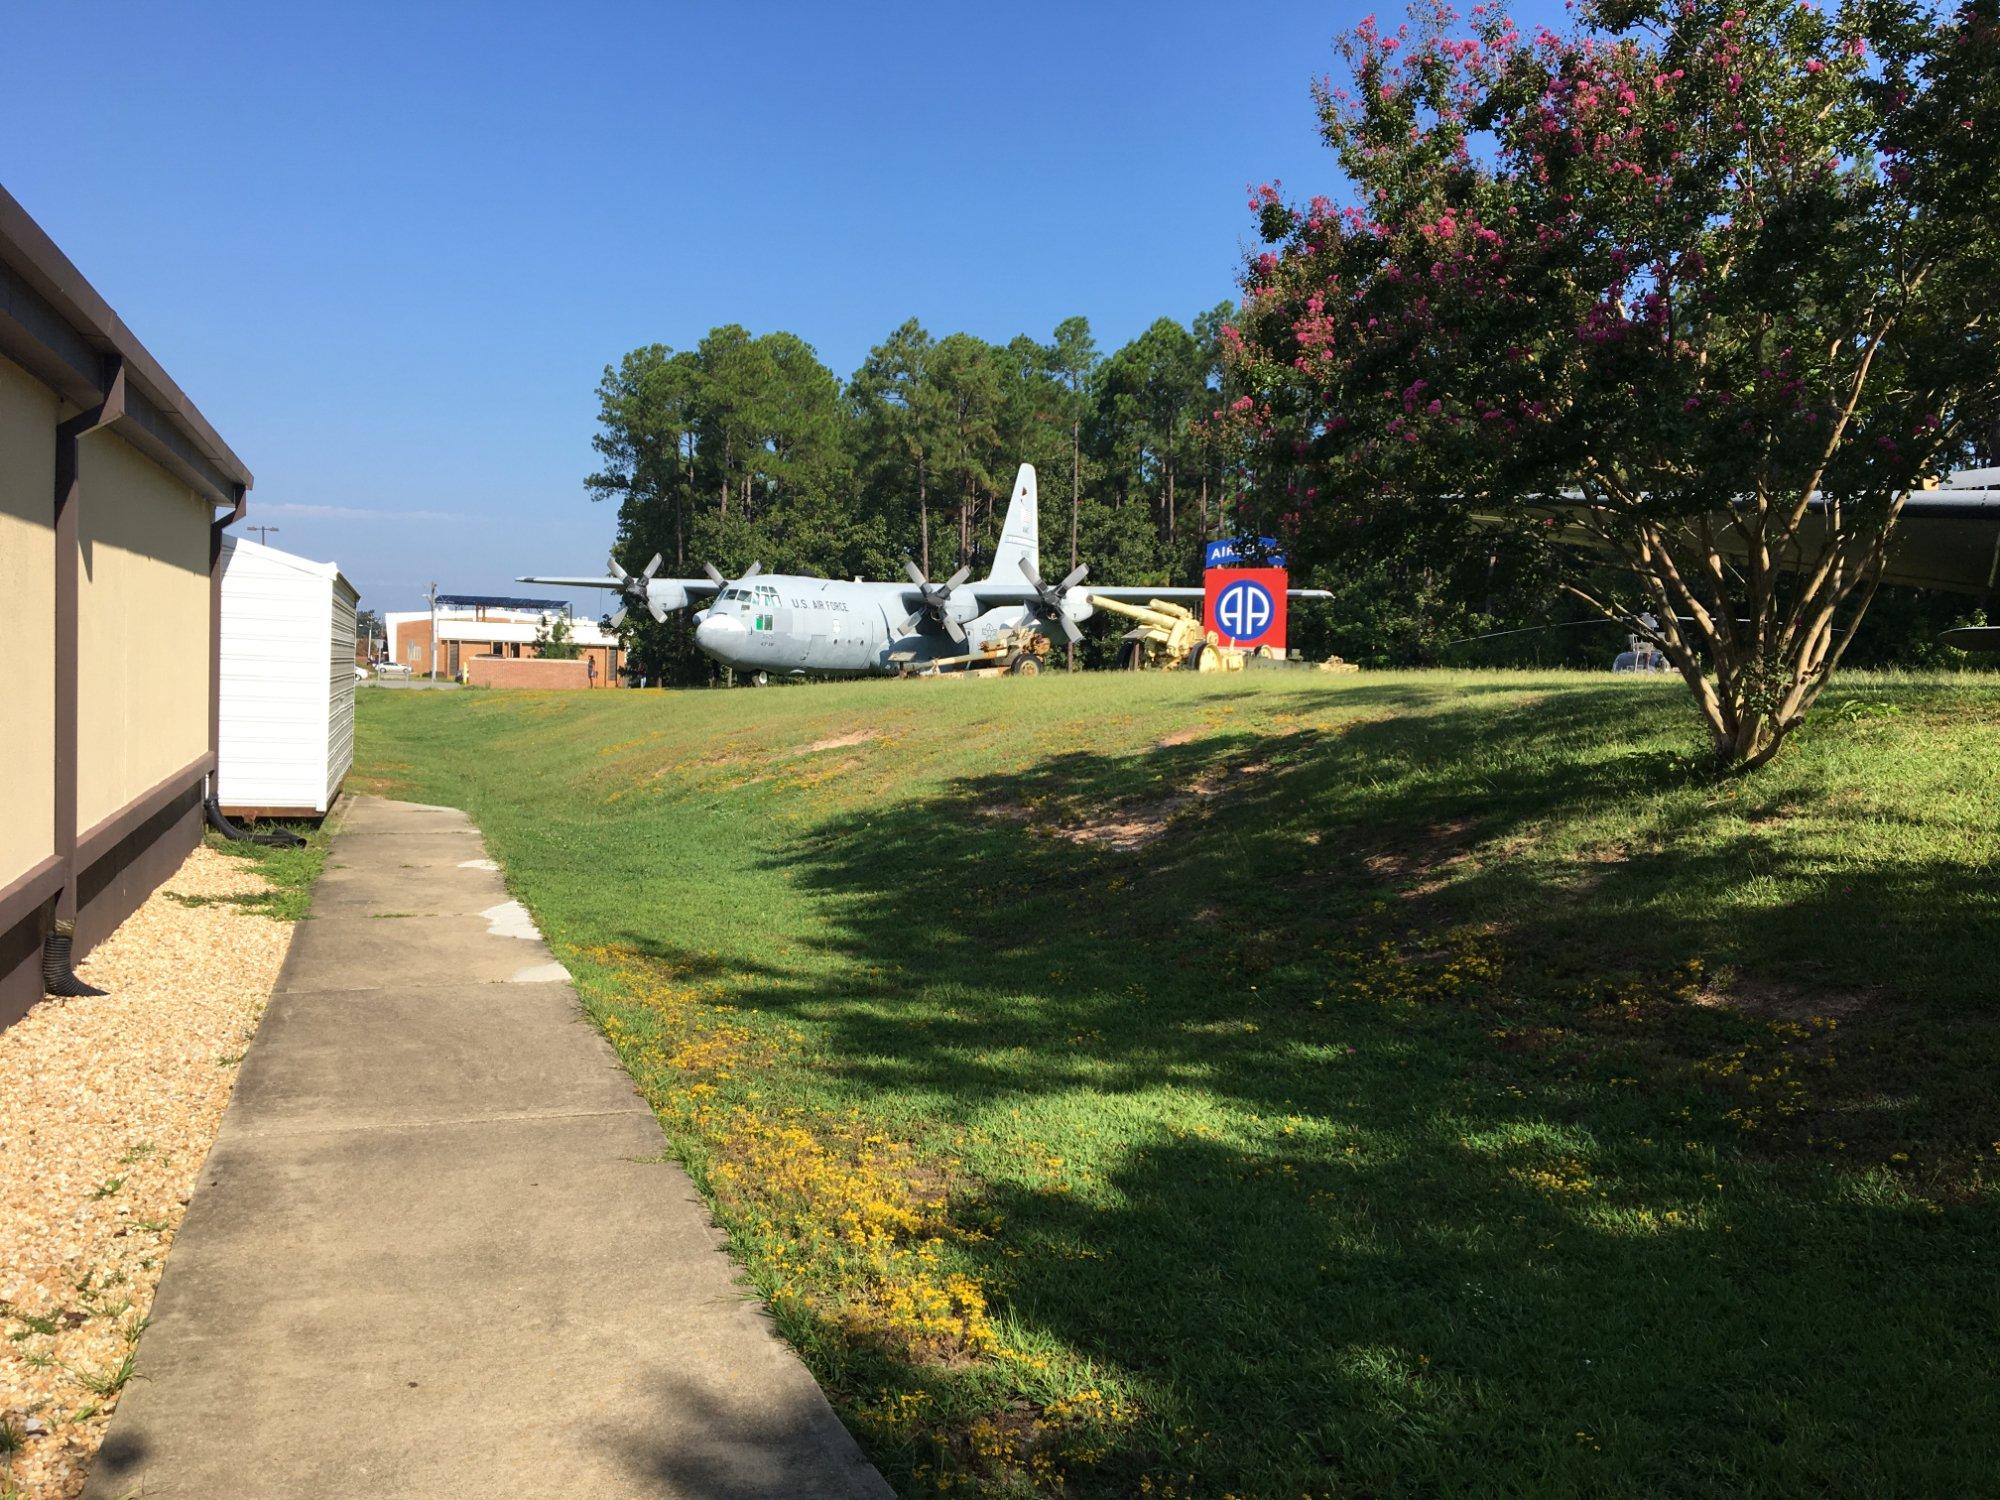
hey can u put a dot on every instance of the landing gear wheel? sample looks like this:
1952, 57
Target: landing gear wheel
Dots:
760, 679
1132, 656
1021, 664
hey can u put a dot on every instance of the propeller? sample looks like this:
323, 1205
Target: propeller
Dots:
715, 575
633, 587
936, 600
1051, 597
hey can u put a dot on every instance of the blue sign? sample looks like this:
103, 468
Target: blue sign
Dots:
1222, 554
1244, 610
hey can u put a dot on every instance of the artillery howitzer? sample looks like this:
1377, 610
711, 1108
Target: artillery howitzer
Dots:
1019, 652
1169, 638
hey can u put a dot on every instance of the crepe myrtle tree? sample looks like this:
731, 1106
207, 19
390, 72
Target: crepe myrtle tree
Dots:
1715, 280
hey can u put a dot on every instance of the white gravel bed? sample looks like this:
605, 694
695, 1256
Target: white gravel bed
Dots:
107, 1109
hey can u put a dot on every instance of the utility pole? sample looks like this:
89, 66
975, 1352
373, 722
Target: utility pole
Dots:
434, 630
262, 531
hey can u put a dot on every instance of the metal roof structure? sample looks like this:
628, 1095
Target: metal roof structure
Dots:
499, 601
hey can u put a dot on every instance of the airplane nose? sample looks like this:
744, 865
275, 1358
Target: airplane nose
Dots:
720, 635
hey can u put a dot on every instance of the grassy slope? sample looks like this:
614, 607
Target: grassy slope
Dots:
1375, 1130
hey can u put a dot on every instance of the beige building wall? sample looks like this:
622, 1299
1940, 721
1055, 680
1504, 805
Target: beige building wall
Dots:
28, 418
142, 627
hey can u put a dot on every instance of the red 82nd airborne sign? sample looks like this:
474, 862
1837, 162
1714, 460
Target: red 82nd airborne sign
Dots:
1246, 606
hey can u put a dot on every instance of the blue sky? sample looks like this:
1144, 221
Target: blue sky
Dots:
388, 250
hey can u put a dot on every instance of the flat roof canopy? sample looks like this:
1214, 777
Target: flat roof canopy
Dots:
497, 601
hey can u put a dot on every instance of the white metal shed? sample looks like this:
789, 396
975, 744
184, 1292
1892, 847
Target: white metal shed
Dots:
287, 682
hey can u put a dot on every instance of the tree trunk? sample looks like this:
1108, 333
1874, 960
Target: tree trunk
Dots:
923, 517
1756, 656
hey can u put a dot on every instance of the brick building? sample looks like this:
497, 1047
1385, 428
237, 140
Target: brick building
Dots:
474, 625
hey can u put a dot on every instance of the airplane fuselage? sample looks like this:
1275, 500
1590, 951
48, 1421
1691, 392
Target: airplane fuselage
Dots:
787, 623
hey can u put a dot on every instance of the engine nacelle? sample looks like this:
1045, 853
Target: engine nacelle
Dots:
962, 606
662, 594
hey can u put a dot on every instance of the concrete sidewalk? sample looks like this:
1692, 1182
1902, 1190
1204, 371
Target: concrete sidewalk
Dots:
434, 1251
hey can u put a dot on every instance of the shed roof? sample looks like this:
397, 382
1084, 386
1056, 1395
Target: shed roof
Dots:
277, 557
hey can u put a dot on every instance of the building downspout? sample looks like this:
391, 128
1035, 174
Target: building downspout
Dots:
215, 530
58, 978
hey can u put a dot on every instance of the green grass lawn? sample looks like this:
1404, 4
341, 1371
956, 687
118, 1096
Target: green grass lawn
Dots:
289, 872
1299, 1085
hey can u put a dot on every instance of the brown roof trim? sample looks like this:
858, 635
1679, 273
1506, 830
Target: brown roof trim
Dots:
54, 323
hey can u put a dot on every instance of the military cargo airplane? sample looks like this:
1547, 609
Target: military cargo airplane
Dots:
789, 625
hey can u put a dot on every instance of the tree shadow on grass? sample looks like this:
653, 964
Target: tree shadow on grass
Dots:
1407, 1163
1192, 872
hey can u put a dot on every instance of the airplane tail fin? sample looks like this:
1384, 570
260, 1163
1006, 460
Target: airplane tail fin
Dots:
1020, 533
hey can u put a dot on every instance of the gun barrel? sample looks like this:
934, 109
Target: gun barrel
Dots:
1157, 612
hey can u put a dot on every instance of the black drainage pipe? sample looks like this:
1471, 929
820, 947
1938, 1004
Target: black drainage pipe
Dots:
282, 838
58, 977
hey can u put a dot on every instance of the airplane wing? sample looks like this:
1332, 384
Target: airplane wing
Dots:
1947, 538
690, 585
991, 595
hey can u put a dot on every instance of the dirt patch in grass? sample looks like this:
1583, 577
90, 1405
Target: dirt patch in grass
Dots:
1134, 828
1134, 825
838, 742
1770, 1000
1428, 862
